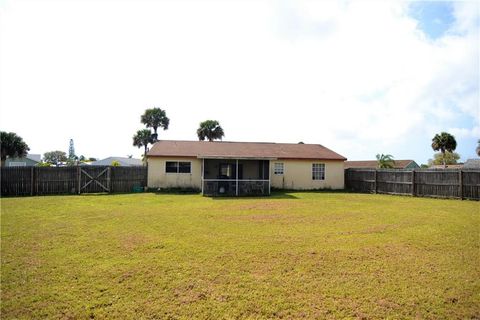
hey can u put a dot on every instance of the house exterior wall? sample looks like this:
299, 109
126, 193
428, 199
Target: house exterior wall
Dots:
297, 175
158, 178
20, 162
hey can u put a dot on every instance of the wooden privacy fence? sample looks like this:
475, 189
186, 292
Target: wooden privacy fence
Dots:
444, 183
22, 181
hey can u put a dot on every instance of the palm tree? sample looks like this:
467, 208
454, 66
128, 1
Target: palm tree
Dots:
12, 146
141, 139
211, 130
478, 148
444, 142
385, 161
155, 118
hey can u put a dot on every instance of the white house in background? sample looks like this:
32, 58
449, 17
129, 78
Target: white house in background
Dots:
124, 162
28, 161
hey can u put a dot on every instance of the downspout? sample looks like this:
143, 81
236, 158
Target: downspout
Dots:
203, 173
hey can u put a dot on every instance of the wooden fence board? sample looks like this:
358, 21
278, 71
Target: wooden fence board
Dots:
21, 181
444, 183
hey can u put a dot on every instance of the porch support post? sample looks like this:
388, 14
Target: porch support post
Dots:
236, 178
269, 178
203, 171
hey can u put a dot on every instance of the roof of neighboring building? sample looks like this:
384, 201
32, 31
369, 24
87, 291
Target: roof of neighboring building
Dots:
34, 157
472, 163
448, 166
224, 149
30, 156
122, 160
398, 164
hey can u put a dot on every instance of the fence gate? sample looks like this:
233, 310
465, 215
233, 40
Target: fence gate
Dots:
94, 179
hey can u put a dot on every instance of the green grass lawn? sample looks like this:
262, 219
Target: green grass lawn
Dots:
292, 255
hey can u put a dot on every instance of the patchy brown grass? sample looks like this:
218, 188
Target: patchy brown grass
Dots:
290, 256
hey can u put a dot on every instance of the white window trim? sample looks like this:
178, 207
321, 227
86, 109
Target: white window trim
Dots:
178, 167
283, 168
324, 171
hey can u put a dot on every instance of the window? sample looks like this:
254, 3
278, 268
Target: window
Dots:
278, 168
184, 167
178, 167
226, 170
318, 171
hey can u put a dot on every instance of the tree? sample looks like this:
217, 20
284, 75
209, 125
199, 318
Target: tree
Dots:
55, 157
115, 163
444, 142
385, 161
12, 146
478, 148
211, 130
141, 139
444, 158
155, 118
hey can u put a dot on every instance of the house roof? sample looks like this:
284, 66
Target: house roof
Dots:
399, 164
258, 150
122, 160
448, 166
34, 157
472, 163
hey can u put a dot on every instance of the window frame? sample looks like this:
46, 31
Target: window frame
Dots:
177, 166
317, 170
276, 170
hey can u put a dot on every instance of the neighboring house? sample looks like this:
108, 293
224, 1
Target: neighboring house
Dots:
372, 164
124, 162
29, 161
243, 168
472, 164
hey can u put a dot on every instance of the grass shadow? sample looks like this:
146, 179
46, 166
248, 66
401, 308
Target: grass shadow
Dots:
273, 195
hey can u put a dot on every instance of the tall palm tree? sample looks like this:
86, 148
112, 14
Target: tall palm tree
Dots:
12, 146
141, 139
478, 148
211, 130
385, 161
155, 118
444, 142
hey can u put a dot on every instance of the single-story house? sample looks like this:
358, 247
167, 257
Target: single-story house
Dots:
124, 162
373, 164
243, 168
28, 161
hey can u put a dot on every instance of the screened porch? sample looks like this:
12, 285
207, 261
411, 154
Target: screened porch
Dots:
235, 177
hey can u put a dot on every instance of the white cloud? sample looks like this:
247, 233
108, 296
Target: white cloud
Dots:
356, 76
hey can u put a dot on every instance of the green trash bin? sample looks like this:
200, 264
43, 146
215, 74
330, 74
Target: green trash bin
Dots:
137, 189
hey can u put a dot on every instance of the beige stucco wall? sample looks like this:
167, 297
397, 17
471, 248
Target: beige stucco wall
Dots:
297, 174
158, 178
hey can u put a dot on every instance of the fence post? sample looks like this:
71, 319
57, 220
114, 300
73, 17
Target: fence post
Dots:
79, 178
413, 182
375, 181
108, 179
31, 180
460, 184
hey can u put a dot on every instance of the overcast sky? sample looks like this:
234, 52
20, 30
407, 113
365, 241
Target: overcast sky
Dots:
359, 77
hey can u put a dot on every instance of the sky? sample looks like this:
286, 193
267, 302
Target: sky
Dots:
359, 77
